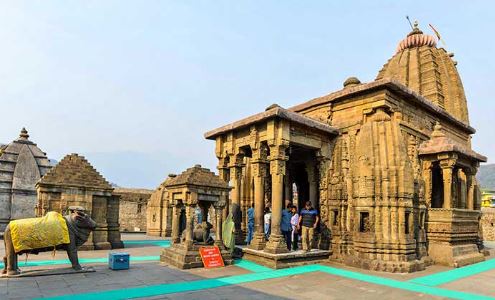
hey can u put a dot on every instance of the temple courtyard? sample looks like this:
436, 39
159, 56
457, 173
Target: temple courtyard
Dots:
149, 279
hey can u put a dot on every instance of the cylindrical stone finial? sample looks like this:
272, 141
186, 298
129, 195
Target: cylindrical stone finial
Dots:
24, 133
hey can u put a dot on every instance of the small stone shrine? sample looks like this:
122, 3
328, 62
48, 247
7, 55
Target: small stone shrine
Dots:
22, 164
159, 211
195, 187
74, 182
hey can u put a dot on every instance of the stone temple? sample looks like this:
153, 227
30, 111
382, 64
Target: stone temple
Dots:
74, 182
22, 164
388, 164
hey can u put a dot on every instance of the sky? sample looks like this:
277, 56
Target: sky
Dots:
134, 85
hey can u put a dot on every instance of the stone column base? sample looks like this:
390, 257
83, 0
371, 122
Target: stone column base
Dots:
117, 244
258, 242
87, 246
240, 239
153, 232
102, 246
276, 244
454, 255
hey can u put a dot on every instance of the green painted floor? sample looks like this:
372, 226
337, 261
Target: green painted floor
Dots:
164, 289
161, 243
425, 284
455, 274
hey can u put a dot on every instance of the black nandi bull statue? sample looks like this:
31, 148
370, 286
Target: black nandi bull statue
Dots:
79, 225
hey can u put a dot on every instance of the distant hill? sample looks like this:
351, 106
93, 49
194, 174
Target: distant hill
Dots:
486, 176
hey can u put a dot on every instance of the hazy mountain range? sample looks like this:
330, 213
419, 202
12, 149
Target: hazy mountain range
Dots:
486, 176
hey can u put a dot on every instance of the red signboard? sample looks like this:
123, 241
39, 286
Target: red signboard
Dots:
211, 257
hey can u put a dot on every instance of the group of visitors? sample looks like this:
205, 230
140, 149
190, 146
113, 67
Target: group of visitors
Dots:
292, 225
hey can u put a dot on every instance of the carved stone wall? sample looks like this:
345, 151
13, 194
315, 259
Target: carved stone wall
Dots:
378, 181
133, 205
488, 223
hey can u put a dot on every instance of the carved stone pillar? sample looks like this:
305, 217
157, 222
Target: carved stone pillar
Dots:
223, 172
427, 179
236, 183
325, 221
276, 243
189, 224
242, 201
287, 188
470, 188
176, 210
168, 209
313, 183
219, 206
259, 172
462, 189
113, 222
447, 171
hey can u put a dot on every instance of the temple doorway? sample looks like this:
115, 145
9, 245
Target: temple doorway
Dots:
437, 186
302, 176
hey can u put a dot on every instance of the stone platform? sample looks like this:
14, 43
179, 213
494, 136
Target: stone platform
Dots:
456, 255
187, 257
285, 260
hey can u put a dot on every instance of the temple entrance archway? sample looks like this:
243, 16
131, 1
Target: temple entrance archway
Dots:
303, 174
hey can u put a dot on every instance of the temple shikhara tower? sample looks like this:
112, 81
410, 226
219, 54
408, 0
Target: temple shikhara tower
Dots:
22, 164
75, 182
388, 164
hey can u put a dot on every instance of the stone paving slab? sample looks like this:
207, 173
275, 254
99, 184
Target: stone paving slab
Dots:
483, 283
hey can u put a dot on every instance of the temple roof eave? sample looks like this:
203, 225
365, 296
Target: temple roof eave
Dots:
59, 186
276, 112
198, 186
448, 146
196, 176
386, 83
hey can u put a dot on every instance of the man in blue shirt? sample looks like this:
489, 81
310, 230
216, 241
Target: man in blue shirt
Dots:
285, 226
308, 221
250, 229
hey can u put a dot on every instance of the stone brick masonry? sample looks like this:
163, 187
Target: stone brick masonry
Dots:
488, 223
133, 204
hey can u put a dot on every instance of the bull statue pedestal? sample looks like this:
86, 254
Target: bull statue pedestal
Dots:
77, 225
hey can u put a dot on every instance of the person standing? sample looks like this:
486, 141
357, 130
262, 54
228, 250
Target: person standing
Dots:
268, 222
308, 222
294, 222
250, 216
285, 226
